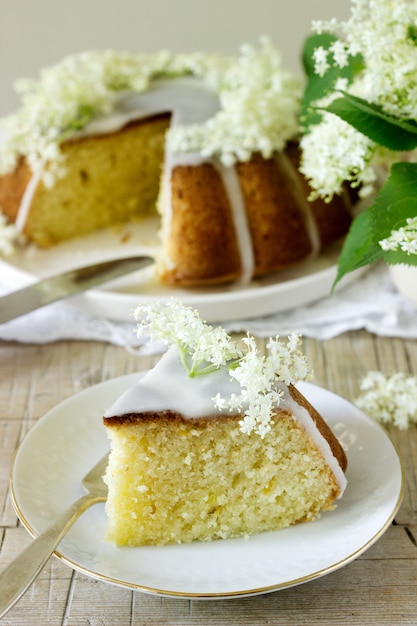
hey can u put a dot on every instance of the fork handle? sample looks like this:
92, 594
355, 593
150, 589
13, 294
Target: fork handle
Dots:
21, 572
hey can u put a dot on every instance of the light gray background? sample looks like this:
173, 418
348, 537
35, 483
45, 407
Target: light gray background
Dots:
37, 33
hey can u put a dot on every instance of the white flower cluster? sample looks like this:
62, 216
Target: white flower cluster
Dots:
333, 153
321, 56
64, 99
389, 400
204, 349
9, 236
259, 103
384, 32
404, 238
258, 377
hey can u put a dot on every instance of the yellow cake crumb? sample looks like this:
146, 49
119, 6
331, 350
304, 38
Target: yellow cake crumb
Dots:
175, 482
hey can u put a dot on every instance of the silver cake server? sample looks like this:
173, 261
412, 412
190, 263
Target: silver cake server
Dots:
66, 284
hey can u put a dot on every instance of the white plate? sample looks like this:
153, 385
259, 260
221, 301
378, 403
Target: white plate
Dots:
70, 438
302, 284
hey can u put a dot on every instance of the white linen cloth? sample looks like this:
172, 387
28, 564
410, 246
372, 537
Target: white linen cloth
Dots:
371, 303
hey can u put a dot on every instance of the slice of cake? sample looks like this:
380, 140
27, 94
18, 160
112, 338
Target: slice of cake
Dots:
216, 443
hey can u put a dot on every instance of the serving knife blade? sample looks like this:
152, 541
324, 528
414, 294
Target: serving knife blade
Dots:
66, 284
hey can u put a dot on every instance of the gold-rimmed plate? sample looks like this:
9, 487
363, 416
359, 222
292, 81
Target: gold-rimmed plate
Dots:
69, 439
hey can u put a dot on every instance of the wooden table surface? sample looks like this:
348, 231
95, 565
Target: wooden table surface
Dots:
380, 587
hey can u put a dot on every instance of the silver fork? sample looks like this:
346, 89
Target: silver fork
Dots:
21, 572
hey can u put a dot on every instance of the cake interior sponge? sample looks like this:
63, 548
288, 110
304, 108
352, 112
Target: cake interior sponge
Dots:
171, 481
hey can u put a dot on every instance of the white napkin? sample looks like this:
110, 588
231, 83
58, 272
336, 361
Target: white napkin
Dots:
371, 303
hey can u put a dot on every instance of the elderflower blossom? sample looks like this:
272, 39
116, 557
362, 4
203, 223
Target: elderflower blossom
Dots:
258, 103
384, 33
334, 152
174, 323
389, 400
259, 377
205, 349
404, 238
321, 63
9, 236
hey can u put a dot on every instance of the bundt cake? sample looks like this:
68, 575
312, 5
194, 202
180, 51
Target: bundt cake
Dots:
213, 443
209, 142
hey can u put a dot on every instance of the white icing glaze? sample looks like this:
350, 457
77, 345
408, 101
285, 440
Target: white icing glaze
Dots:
240, 220
303, 417
304, 206
192, 397
190, 101
167, 387
26, 201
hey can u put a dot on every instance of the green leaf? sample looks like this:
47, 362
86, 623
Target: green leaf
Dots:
396, 201
412, 33
319, 86
370, 119
359, 248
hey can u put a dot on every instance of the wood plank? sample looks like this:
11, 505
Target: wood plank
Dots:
378, 588
47, 596
9, 438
